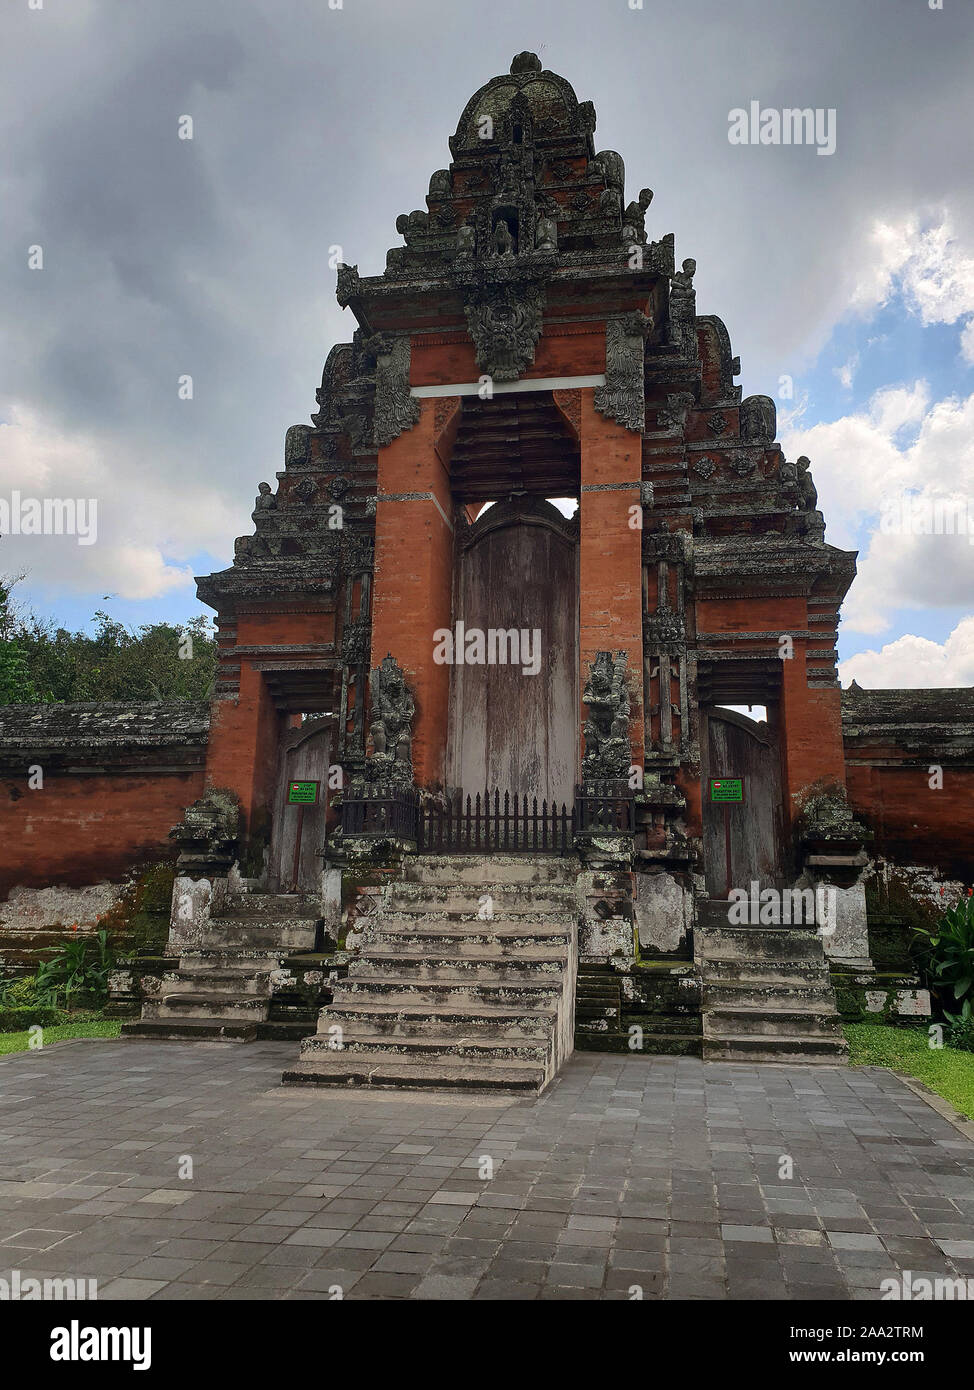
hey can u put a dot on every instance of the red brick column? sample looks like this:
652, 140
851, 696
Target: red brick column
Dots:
610, 552
412, 593
243, 745
811, 730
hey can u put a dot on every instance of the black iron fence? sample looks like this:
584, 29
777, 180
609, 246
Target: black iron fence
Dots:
489, 821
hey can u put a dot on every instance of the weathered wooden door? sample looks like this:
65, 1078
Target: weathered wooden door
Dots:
305, 756
514, 725
735, 746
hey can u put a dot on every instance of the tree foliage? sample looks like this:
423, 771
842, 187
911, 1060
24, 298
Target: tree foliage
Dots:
157, 661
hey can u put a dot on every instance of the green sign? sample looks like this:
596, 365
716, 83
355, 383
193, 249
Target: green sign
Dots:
302, 793
727, 789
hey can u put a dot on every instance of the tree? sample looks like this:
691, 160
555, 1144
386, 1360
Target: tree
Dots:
157, 661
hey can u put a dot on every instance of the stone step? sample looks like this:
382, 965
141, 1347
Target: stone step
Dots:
487, 954
248, 906
421, 1019
287, 934
204, 1030
453, 1046
785, 973
206, 1006
781, 1024
758, 944
385, 1069
729, 994
517, 935
754, 1048
448, 898
225, 983
219, 958
394, 988
654, 1044
502, 869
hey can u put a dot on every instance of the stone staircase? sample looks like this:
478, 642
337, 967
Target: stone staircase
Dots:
767, 995
222, 988
466, 979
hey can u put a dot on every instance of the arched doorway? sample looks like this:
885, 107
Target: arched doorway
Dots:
514, 696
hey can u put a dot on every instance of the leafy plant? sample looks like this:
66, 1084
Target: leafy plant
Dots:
960, 1028
947, 954
81, 967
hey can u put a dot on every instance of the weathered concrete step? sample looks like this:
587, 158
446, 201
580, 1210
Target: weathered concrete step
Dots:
496, 868
245, 907
489, 954
730, 994
219, 982
209, 1005
753, 1048
442, 1047
520, 897
381, 1069
285, 935
759, 944
422, 1019
208, 1030
393, 989
220, 958
793, 1023
654, 1044
786, 973
474, 931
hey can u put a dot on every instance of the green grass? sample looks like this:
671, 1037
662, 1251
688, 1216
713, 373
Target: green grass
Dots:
945, 1070
93, 1028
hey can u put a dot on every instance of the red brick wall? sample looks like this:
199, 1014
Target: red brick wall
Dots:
80, 829
913, 823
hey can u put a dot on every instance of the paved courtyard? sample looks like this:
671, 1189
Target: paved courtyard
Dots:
658, 1174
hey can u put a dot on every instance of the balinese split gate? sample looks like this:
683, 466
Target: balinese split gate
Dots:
519, 581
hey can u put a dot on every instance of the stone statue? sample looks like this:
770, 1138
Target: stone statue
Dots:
391, 726
634, 217
503, 241
546, 233
681, 281
265, 500
807, 490
608, 751
466, 237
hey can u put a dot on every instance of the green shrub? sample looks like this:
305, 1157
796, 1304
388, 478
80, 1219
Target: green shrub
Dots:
17, 1020
80, 969
947, 955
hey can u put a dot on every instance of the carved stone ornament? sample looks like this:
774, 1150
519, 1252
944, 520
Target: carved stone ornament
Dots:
623, 397
608, 751
759, 419
391, 726
395, 409
705, 467
505, 323
717, 423
208, 835
297, 445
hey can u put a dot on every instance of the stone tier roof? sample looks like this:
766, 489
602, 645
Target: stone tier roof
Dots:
105, 731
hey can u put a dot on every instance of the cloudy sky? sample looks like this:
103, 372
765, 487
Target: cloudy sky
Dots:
846, 280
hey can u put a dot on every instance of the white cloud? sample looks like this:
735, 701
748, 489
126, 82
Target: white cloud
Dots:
915, 662
846, 373
146, 528
864, 470
927, 266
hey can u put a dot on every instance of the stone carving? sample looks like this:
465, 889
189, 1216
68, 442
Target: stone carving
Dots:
546, 233
717, 423
623, 396
466, 237
395, 409
613, 170
503, 241
208, 835
634, 217
349, 285
306, 490
705, 467
608, 751
505, 323
683, 309
807, 490
393, 708
356, 642
440, 184
759, 419
265, 500
297, 445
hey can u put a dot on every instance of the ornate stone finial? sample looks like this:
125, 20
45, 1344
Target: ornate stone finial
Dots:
208, 835
525, 62
759, 419
297, 445
393, 708
623, 397
349, 284
608, 751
